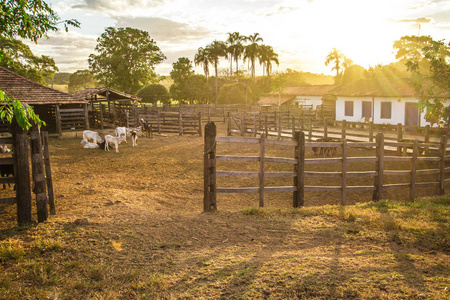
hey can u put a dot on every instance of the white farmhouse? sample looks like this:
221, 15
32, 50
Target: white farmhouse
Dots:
379, 100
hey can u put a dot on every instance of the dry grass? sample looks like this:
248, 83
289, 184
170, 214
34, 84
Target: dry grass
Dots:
147, 237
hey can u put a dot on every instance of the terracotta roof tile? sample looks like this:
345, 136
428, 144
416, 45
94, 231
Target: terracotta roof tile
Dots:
27, 91
381, 87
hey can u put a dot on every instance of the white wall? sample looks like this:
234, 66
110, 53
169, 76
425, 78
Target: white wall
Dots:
397, 110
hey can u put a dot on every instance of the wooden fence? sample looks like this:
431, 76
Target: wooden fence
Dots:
299, 174
71, 119
167, 121
40, 169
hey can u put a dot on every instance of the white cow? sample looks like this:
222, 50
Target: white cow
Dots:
113, 140
122, 131
91, 135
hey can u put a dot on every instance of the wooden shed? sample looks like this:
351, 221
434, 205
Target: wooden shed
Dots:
59, 110
107, 107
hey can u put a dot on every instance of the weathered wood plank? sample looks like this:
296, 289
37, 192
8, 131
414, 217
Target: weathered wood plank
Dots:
237, 174
8, 201
271, 189
236, 139
280, 160
322, 160
322, 174
236, 158
322, 188
238, 190
396, 186
397, 172
360, 188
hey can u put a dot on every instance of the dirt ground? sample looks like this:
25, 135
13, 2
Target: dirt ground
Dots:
144, 211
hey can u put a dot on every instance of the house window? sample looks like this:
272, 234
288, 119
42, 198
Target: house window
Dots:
386, 110
349, 108
366, 109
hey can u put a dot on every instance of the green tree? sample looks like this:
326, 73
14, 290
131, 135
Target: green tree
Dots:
181, 69
251, 52
216, 50
194, 89
336, 58
235, 49
126, 59
236, 93
81, 79
17, 57
153, 93
354, 72
201, 58
28, 20
267, 56
430, 69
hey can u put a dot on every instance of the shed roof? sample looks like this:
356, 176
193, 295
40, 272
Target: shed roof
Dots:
91, 93
380, 87
30, 92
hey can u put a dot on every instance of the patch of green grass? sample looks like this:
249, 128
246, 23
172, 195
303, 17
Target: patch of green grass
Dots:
11, 249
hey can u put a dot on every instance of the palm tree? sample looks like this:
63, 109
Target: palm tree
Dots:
252, 50
266, 57
337, 57
216, 50
201, 58
235, 49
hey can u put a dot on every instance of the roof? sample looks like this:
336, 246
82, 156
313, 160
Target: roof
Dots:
91, 93
289, 93
30, 92
380, 87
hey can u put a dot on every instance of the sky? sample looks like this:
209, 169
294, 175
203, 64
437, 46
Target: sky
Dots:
301, 32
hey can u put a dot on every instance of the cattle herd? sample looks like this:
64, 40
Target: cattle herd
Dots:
93, 140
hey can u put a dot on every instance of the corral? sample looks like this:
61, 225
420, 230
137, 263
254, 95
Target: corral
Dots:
135, 219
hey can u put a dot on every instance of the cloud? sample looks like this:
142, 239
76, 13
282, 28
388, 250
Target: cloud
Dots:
118, 5
281, 11
165, 30
422, 20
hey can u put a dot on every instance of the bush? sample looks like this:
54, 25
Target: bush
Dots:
235, 93
153, 93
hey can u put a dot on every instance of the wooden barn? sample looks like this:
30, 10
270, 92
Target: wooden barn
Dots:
107, 107
59, 110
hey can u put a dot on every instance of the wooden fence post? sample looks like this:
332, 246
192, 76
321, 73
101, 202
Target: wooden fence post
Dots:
293, 128
22, 174
200, 129
255, 128
299, 169
48, 173
279, 126
102, 106
229, 124
262, 152
399, 138
427, 136
209, 168
159, 121
310, 130
412, 190
344, 125
379, 168
58, 120
242, 123
371, 131
325, 128
86, 117
344, 173
266, 125
443, 150
180, 124
38, 174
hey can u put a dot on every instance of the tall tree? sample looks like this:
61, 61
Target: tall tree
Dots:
429, 63
201, 58
181, 69
126, 59
336, 58
17, 57
81, 79
216, 50
252, 51
235, 49
266, 57
28, 20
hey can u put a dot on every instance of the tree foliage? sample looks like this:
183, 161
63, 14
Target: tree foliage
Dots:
28, 20
81, 79
126, 59
429, 63
153, 93
17, 57
236, 93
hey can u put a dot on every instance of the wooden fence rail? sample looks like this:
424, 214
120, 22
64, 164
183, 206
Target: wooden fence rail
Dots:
299, 174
